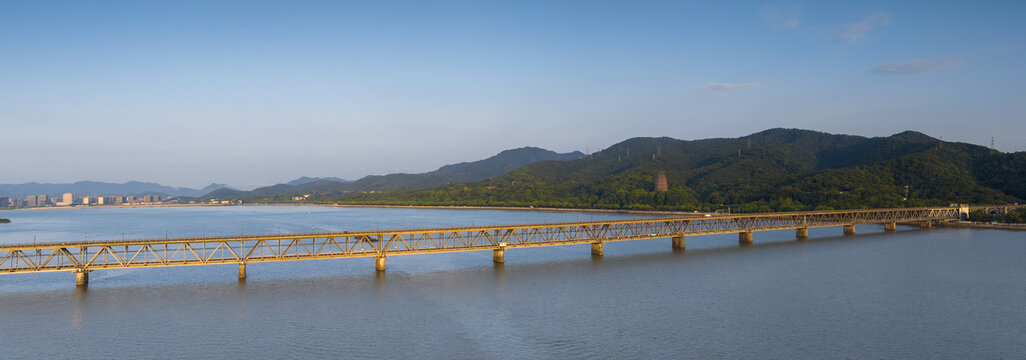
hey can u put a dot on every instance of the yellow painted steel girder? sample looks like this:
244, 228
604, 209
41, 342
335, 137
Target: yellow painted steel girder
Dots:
141, 253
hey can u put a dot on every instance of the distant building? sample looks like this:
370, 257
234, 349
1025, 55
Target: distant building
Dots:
85, 200
100, 200
660, 182
118, 200
4, 201
67, 199
130, 199
17, 203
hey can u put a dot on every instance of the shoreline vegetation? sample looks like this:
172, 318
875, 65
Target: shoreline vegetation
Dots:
4, 221
978, 225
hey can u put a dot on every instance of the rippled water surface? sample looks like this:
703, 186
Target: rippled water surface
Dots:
940, 293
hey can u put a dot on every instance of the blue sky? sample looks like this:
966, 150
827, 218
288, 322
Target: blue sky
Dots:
255, 93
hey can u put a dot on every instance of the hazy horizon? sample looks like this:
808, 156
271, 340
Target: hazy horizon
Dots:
248, 187
257, 93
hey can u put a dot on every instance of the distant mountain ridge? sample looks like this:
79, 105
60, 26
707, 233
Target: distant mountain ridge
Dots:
772, 170
95, 188
493, 166
775, 169
307, 180
496, 165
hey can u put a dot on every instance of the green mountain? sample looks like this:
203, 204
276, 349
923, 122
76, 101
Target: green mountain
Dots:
776, 169
307, 180
497, 165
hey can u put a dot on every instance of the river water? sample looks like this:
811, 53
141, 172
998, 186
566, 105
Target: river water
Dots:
939, 293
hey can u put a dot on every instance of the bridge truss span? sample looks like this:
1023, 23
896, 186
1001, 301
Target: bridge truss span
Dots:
82, 257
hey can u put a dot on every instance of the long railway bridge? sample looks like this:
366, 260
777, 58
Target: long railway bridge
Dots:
83, 257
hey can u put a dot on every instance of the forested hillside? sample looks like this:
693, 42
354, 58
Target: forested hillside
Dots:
493, 166
777, 169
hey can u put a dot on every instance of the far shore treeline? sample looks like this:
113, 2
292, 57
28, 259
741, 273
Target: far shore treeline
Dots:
773, 170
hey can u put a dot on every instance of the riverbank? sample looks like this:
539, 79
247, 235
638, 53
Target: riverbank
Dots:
112, 206
451, 207
969, 225
514, 208
4, 221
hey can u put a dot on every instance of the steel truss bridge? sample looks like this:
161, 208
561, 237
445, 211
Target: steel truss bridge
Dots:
83, 257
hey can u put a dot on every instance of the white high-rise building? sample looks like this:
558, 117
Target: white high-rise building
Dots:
67, 199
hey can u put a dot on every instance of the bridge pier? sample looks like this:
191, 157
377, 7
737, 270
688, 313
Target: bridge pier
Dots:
926, 224
499, 255
81, 277
745, 238
890, 226
596, 249
379, 263
678, 242
801, 233
242, 270
849, 229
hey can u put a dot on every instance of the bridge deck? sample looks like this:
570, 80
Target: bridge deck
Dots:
82, 257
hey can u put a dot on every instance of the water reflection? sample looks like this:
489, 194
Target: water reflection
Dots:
499, 269
78, 307
380, 281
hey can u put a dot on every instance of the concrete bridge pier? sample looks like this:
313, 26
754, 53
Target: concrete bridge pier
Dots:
801, 233
890, 226
596, 249
499, 255
379, 263
849, 229
926, 224
678, 242
242, 270
81, 277
745, 238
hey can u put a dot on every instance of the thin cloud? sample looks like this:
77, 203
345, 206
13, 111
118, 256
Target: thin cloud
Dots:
910, 67
782, 17
859, 30
716, 87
